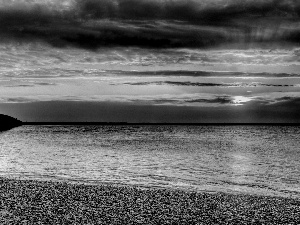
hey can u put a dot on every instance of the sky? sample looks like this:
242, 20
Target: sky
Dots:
173, 61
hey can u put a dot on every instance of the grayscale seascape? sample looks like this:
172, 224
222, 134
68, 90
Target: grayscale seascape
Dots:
149, 112
255, 160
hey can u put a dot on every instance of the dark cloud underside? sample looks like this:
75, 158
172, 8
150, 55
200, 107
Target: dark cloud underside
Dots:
167, 73
31, 84
152, 23
198, 84
197, 12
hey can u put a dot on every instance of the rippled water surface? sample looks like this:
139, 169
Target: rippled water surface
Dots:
248, 159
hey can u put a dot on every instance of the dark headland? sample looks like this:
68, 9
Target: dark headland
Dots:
8, 122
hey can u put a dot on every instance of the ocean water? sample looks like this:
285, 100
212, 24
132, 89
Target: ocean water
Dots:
262, 160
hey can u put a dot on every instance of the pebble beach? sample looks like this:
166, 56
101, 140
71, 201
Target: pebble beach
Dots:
45, 202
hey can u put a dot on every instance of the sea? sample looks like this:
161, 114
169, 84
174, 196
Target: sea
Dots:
242, 159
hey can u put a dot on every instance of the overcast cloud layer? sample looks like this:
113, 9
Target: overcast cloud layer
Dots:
150, 60
92, 24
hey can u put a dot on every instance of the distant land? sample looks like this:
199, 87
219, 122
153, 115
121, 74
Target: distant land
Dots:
8, 122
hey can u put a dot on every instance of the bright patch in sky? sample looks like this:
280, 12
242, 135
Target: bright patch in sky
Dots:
239, 100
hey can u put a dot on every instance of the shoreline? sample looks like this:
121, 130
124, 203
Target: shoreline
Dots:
48, 202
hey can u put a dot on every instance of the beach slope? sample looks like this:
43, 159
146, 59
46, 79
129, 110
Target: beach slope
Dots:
40, 202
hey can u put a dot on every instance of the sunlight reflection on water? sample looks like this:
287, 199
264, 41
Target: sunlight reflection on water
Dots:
252, 159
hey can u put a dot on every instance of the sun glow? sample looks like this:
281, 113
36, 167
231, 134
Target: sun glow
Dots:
239, 100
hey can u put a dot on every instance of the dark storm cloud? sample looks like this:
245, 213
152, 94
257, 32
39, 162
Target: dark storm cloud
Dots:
196, 12
154, 24
198, 84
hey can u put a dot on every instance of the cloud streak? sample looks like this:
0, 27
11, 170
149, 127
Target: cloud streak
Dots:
31, 84
181, 100
187, 100
190, 73
92, 24
199, 84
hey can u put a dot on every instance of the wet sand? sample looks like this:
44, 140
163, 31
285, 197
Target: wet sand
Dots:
37, 202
